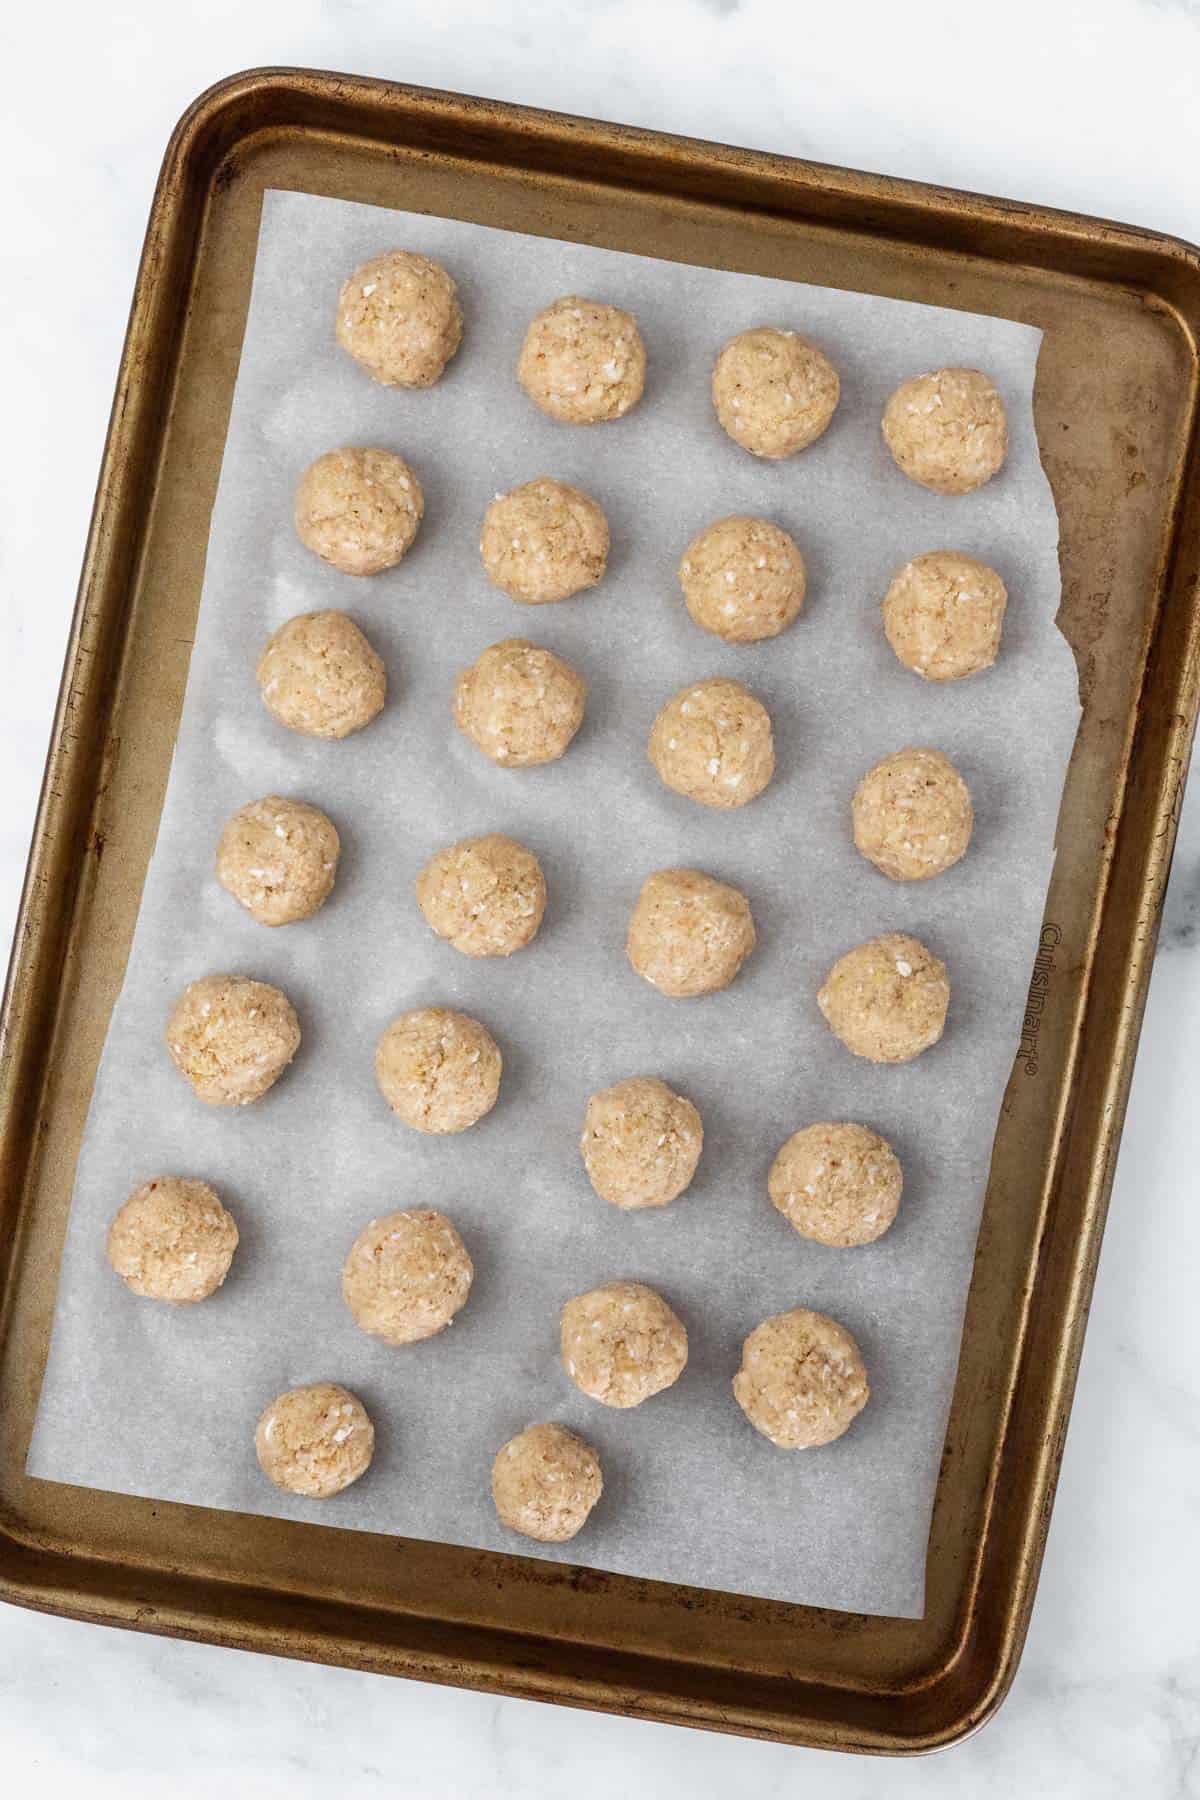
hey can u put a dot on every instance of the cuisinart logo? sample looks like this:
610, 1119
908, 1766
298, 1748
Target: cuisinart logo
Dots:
1035, 1003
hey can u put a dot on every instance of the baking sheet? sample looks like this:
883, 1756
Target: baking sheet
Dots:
161, 1402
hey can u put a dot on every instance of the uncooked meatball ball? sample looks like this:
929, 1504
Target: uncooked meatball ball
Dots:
544, 541
359, 509
947, 430
320, 676
485, 895
232, 1038
802, 1382
398, 316
583, 361
315, 1440
640, 1143
689, 934
172, 1240
545, 1483
913, 815
622, 1344
712, 743
279, 858
406, 1276
521, 705
943, 614
837, 1184
438, 1070
774, 391
887, 999
743, 579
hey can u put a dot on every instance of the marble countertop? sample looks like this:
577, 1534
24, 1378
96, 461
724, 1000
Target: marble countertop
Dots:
1089, 104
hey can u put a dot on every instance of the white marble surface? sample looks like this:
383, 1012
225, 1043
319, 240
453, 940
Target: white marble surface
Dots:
1084, 103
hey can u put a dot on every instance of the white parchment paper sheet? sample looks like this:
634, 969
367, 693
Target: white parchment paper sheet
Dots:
156, 1401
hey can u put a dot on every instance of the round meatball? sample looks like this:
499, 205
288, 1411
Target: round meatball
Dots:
359, 509
545, 1483
438, 1070
947, 430
689, 934
583, 361
743, 579
406, 1276
712, 743
521, 705
774, 391
172, 1240
837, 1184
802, 1382
232, 1038
943, 614
315, 1440
887, 998
641, 1143
544, 541
485, 895
621, 1344
399, 318
278, 858
320, 676
913, 815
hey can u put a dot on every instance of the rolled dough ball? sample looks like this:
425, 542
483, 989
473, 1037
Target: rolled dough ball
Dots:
802, 1382
837, 1184
640, 1143
743, 579
544, 541
315, 1440
398, 316
947, 430
172, 1240
689, 934
913, 815
232, 1038
621, 1344
519, 704
438, 1070
712, 743
485, 895
279, 858
406, 1276
943, 613
887, 998
545, 1483
583, 361
359, 509
320, 676
774, 391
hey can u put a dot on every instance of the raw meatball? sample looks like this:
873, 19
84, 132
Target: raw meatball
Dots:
743, 579
837, 1184
486, 895
689, 934
359, 509
172, 1240
398, 315
583, 361
232, 1038
641, 1142
622, 1343
315, 1440
802, 1380
544, 541
320, 676
774, 391
943, 613
947, 430
406, 1276
545, 1482
887, 999
519, 704
712, 743
913, 815
278, 858
438, 1070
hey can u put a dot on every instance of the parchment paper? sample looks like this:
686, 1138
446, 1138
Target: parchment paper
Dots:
158, 1401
